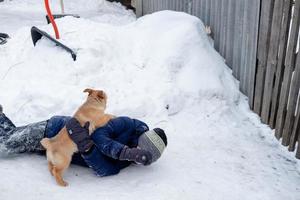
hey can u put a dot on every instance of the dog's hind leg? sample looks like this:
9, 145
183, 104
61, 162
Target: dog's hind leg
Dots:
57, 173
50, 167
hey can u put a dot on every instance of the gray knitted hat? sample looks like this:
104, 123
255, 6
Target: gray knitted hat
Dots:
154, 141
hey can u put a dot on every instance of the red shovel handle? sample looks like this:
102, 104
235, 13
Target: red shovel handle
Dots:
51, 19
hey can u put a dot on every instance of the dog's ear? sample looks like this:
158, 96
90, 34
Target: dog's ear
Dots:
101, 94
88, 90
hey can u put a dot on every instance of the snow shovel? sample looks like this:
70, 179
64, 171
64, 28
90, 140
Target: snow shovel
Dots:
37, 34
56, 16
3, 38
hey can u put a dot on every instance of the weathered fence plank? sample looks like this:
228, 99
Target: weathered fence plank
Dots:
202, 12
244, 49
272, 60
298, 149
289, 68
225, 24
284, 32
217, 24
238, 32
252, 46
212, 17
139, 7
293, 97
222, 25
230, 33
296, 130
145, 4
208, 11
263, 46
197, 8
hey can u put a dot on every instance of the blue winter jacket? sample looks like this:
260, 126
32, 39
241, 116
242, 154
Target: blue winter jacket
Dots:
109, 141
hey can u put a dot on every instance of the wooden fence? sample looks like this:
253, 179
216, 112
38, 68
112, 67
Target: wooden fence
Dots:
278, 70
259, 40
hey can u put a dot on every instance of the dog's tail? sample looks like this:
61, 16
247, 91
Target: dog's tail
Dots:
46, 143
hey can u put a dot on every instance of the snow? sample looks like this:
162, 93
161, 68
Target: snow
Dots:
217, 148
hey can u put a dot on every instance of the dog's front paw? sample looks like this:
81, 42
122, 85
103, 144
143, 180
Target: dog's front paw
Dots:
63, 184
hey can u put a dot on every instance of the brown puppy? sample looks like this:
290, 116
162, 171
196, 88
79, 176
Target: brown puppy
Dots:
60, 148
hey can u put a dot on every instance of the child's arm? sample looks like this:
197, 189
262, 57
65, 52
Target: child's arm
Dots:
55, 124
104, 142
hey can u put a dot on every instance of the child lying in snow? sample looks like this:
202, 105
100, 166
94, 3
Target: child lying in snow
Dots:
114, 146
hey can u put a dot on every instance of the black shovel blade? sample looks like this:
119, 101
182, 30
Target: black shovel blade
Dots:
4, 35
37, 34
56, 16
3, 38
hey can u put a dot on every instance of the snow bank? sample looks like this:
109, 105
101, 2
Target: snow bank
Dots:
159, 61
159, 68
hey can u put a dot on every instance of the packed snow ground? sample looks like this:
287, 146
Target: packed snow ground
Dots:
218, 149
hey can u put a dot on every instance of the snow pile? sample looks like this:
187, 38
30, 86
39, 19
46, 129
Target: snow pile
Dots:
143, 69
161, 69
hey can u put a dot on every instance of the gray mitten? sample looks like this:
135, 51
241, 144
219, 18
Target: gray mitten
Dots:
79, 135
137, 155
